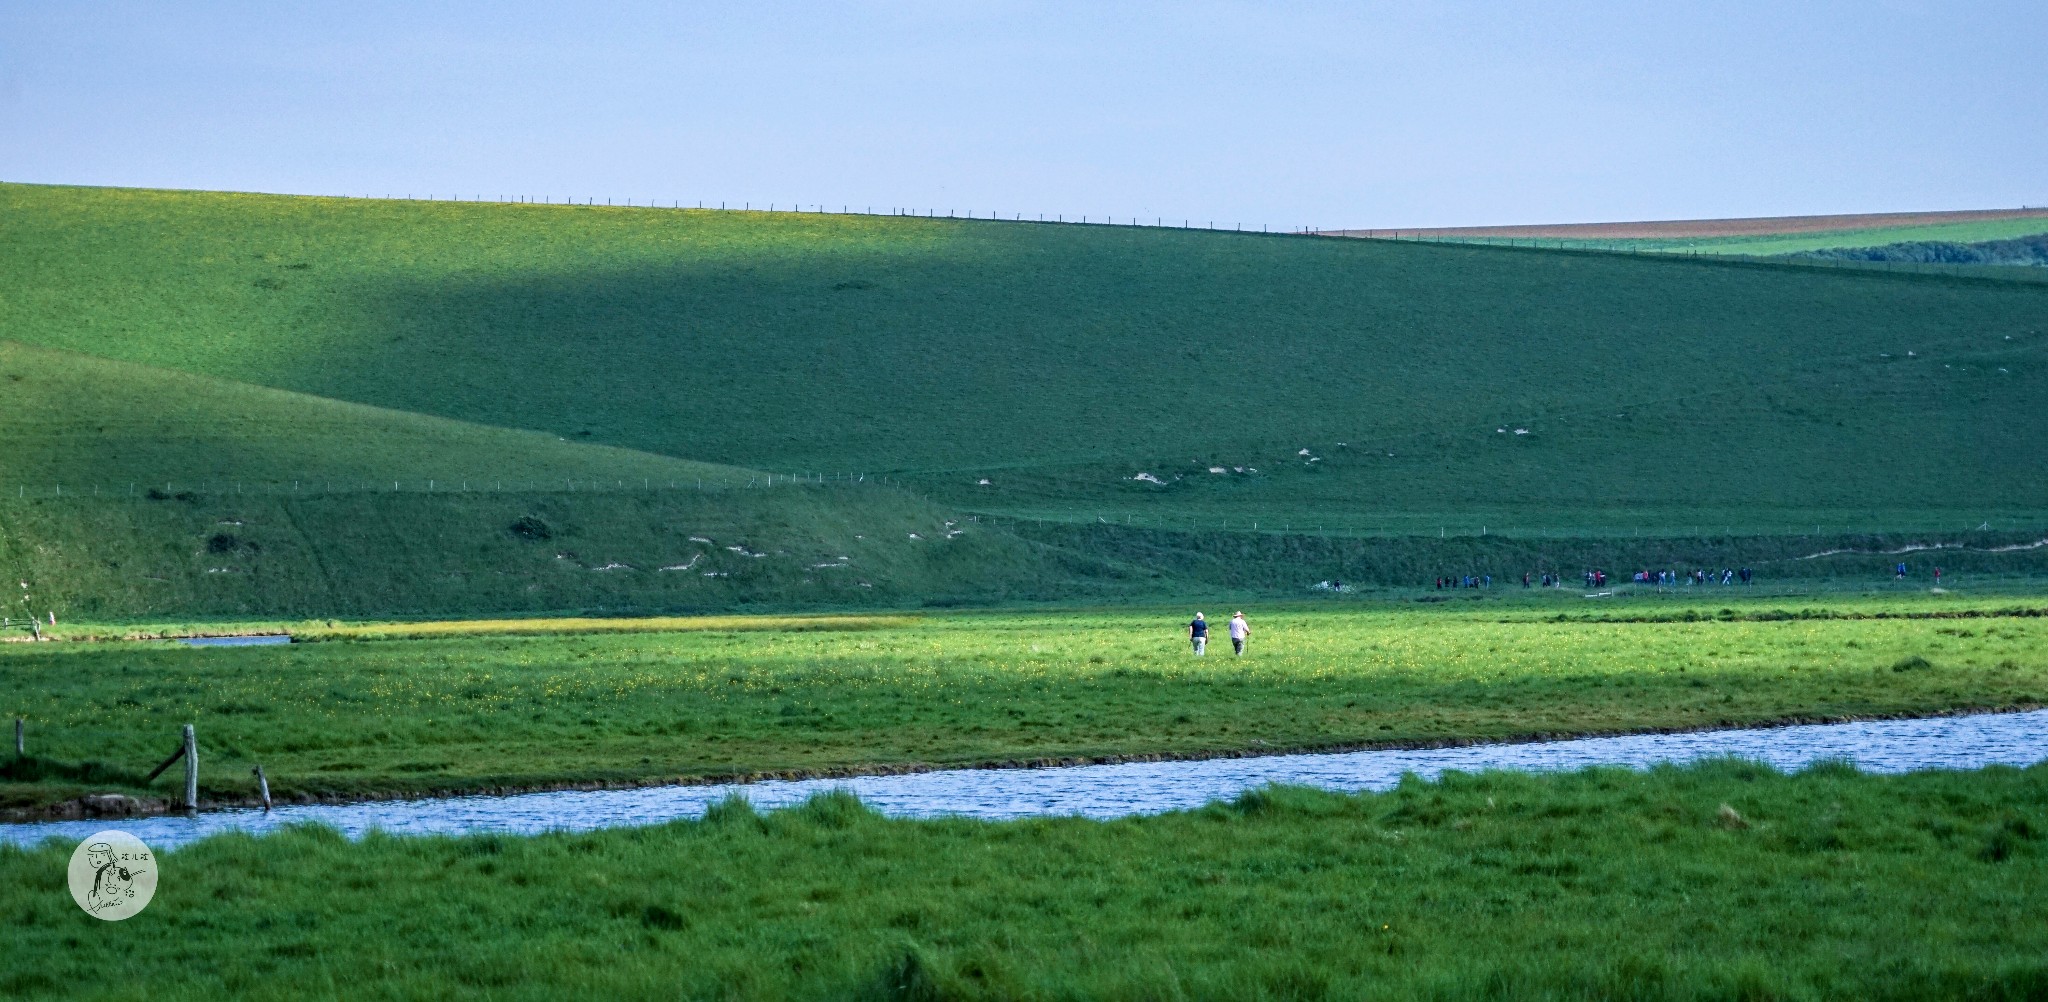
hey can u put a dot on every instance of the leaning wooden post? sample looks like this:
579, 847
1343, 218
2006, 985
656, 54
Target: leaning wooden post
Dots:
263, 787
191, 770
20, 747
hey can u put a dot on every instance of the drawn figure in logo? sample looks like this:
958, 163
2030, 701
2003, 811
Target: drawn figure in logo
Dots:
112, 881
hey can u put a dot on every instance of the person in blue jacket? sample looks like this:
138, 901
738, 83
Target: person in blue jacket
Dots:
1198, 634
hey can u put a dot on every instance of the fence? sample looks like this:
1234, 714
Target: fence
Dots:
845, 209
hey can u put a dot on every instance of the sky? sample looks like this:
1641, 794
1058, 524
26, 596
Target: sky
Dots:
1357, 114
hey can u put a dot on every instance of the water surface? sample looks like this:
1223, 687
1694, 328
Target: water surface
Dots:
1108, 791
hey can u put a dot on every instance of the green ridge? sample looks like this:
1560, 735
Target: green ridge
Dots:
1363, 388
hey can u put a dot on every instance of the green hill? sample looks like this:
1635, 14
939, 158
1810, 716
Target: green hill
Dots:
190, 495
1359, 387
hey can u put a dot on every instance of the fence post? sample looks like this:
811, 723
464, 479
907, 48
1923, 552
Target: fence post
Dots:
263, 787
191, 770
20, 746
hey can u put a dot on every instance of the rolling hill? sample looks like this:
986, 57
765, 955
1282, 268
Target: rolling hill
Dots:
987, 382
1757, 236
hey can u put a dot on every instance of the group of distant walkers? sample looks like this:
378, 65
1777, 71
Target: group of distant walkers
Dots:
1899, 573
1666, 578
1696, 576
1198, 634
1595, 578
1468, 581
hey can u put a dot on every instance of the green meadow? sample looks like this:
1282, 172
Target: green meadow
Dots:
1719, 881
1774, 244
440, 711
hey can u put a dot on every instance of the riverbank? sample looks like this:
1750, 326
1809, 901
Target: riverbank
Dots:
461, 714
1720, 880
104, 806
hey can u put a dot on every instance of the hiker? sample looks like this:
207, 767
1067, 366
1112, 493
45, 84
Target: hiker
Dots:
1198, 634
1899, 573
1240, 631
1937, 577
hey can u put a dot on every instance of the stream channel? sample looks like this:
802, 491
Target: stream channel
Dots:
1108, 791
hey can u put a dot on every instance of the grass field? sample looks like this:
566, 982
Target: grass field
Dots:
1714, 882
382, 717
1753, 237
248, 351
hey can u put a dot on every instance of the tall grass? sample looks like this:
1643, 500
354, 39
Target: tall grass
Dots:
1723, 880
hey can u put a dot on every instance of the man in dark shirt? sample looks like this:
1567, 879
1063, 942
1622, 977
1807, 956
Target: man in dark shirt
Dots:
1198, 634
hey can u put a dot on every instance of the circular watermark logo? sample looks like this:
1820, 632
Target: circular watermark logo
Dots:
113, 875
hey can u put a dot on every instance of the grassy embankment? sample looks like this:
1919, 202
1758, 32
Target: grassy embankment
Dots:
1719, 881
1664, 399
464, 713
1796, 238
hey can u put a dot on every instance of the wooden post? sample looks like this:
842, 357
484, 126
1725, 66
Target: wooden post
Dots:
20, 747
263, 787
191, 770
165, 764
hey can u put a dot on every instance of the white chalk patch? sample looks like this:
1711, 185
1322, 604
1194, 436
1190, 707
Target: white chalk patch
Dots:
684, 567
1218, 469
1149, 478
701, 539
983, 482
614, 566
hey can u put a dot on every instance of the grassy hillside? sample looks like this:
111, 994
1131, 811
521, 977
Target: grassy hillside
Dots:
1058, 362
1751, 237
284, 356
195, 495
109, 426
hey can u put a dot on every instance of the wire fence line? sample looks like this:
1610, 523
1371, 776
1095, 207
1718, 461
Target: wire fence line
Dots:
848, 209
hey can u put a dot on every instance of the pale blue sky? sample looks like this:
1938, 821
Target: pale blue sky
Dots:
1341, 114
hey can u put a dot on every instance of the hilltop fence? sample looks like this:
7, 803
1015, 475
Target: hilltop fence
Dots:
845, 209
